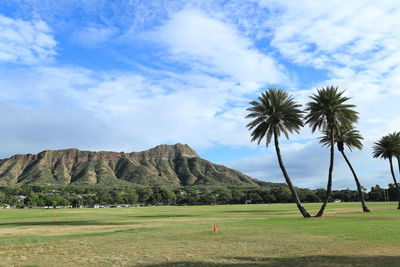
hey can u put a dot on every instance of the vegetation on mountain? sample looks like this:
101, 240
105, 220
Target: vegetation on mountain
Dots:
164, 165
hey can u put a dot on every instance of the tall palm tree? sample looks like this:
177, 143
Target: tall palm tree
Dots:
388, 147
274, 114
352, 139
327, 112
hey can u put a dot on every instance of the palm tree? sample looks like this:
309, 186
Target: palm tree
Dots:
388, 147
327, 112
352, 139
274, 114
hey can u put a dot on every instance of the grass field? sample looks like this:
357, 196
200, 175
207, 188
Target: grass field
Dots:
248, 235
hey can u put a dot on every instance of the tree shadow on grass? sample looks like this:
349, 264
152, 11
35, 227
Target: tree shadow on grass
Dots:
295, 261
162, 216
257, 211
58, 223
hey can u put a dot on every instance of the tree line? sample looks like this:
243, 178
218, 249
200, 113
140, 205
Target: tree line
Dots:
276, 113
89, 196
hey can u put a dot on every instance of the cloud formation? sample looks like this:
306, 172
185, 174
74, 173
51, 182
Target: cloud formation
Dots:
214, 46
133, 74
26, 42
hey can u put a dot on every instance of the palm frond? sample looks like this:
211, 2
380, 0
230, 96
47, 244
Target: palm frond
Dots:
387, 146
327, 110
275, 111
349, 137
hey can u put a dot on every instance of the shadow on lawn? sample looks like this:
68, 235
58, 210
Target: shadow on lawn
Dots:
162, 216
296, 261
56, 223
257, 211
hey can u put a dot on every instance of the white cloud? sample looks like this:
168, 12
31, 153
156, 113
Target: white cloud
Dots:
218, 47
307, 166
93, 35
128, 110
26, 42
219, 53
357, 49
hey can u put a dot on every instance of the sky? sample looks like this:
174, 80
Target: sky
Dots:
129, 75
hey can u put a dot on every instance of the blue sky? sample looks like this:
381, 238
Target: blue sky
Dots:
129, 75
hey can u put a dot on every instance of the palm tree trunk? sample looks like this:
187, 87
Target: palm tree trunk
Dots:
360, 193
394, 180
296, 198
398, 163
329, 185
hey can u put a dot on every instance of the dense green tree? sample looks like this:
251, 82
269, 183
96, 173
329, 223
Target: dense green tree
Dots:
116, 196
222, 194
168, 196
392, 192
131, 197
104, 196
192, 196
188, 195
268, 197
376, 193
282, 194
274, 114
36, 199
2, 199
388, 147
89, 201
237, 196
50, 200
162, 195
345, 195
307, 195
255, 198
144, 192
328, 112
352, 139
207, 199
76, 201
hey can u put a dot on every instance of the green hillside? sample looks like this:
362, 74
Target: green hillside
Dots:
162, 165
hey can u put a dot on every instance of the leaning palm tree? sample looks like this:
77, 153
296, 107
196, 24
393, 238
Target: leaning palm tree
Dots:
274, 114
352, 139
327, 112
388, 147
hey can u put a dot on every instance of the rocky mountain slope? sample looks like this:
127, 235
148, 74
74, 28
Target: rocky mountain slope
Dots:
162, 165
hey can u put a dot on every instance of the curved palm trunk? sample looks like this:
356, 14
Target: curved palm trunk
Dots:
329, 185
394, 180
398, 163
296, 198
360, 193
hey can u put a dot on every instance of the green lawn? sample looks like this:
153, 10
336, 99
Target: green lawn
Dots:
248, 235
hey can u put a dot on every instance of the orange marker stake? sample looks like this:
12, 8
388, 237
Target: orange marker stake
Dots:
215, 228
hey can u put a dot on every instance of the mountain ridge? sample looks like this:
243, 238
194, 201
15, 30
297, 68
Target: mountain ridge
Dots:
175, 164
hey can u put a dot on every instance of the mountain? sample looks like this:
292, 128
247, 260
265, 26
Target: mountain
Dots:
162, 165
